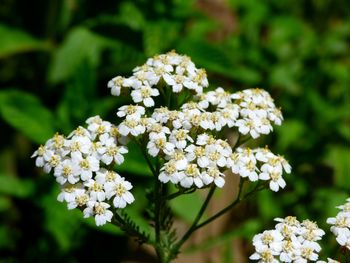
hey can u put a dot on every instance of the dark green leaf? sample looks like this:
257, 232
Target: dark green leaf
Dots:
14, 41
25, 113
13, 186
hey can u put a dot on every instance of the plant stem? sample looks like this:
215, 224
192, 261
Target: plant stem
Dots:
145, 155
233, 204
227, 208
180, 192
196, 220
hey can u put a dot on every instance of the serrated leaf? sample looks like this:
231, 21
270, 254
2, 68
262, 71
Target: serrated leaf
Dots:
25, 113
15, 41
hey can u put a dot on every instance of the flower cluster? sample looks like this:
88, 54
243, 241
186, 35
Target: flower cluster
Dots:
252, 111
341, 225
176, 71
183, 138
260, 163
181, 131
290, 241
81, 164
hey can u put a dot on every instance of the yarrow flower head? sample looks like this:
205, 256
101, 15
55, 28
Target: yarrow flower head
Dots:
290, 241
340, 225
80, 163
180, 128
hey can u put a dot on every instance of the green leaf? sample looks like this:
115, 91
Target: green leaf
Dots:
135, 210
215, 59
291, 133
15, 41
159, 35
5, 203
338, 157
73, 108
79, 46
25, 113
13, 186
61, 223
268, 211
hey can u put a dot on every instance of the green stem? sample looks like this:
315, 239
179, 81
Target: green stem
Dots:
227, 208
148, 160
233, 204
196, 220
180, 192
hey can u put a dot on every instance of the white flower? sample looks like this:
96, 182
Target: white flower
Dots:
180, 159
119, 188
213, 174
340, 223
216, 155
98, 126
218, 97
156, 129
68, 193
117, 83
271, 238
175, 81
291, 240
85, 166
229, 115
179, 138
39, 154
80, 144
66, 171
243, 162
275, 177
81, 198
96, 190
100, 211
144, 94
131, 110
197, 153
246, 126
265, 255
132, 126
52, 160
112, 153
158, 142
104, 176
169, 172
192, 176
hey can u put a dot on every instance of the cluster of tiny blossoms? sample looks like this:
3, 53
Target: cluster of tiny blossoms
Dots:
183, 137
82, 165
341, 225
181, 131
290, 241
260, 163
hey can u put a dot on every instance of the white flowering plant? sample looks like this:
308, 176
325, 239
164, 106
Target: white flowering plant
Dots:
185, 135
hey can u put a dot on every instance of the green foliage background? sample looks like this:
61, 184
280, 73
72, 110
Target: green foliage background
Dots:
57, 56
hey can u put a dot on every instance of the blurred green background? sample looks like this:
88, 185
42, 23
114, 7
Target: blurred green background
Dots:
56, 58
